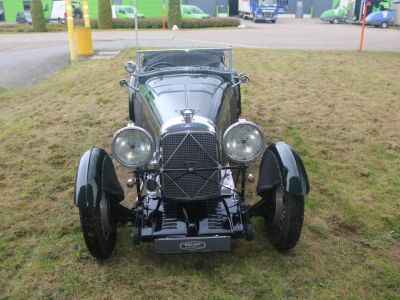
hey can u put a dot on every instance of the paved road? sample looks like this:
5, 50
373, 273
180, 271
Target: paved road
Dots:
26, 58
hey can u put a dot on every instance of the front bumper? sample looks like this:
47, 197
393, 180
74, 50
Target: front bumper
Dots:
266, 16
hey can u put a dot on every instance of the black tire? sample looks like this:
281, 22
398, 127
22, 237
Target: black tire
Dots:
286, 234
335, 21
273, 21
254, 19
384, 25
99, 241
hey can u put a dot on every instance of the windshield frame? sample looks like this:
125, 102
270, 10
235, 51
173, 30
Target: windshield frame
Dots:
140, 54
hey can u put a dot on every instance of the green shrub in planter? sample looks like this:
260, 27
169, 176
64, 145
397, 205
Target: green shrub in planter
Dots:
38, 21
105, 15
174, 13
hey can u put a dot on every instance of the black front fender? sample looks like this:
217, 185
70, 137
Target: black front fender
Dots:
281, 164
96, 174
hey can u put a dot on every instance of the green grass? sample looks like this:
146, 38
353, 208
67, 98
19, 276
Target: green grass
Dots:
341, 110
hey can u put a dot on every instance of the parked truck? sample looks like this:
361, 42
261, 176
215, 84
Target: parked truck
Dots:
259, 10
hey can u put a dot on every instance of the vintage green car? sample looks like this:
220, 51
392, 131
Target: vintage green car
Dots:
187, 150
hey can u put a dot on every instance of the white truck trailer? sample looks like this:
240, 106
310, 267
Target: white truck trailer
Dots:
259, 10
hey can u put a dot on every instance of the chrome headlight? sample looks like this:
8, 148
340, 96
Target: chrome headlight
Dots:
130, 67
243, 141
133, 146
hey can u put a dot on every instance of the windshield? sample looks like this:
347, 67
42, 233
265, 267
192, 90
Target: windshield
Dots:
183, 58
129, 10
196, 10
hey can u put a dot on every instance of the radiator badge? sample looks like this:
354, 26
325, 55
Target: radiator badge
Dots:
192, 245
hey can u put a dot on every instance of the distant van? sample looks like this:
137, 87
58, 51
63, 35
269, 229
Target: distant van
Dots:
56, 11
124, 12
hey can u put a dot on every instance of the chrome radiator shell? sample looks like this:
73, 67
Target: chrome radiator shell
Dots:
190, 166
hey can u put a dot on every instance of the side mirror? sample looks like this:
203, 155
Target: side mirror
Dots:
243, 78
130, 67
123, 83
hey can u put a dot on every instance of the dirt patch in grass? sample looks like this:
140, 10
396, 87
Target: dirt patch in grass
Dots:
340, 110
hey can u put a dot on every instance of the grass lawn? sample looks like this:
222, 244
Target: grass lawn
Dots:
340, 110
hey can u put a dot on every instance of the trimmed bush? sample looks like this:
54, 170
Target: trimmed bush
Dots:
105, 15
174, 13
38, 21
147, 23
81, 23
211, 22
142, 23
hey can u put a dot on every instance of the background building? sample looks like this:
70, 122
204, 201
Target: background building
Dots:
153, 8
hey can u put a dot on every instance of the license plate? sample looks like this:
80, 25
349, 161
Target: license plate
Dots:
192, 244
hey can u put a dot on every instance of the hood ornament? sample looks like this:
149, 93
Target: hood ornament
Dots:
188, 115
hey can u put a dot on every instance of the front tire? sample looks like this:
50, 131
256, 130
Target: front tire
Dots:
286, 233
99, 228
384, 25
335, 21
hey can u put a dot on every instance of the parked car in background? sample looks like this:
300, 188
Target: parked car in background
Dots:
193, 12
384, 18
334, 16
24, 17
186, 149
351, 11
124, 12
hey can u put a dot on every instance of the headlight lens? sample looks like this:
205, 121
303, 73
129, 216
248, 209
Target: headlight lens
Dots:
132, 146
243, 141
130, 67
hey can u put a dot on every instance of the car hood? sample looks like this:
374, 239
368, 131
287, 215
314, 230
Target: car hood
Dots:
168, 95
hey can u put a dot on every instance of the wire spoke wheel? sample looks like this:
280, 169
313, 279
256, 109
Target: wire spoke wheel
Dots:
285, 219
99, 228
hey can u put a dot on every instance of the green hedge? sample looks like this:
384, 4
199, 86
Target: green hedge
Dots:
145, 23
211, 22
186, 23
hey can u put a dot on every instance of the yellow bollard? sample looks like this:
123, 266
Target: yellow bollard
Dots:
70, 23
84, 41
86, 13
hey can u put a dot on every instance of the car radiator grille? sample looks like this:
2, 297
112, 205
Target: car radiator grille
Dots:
182, 155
